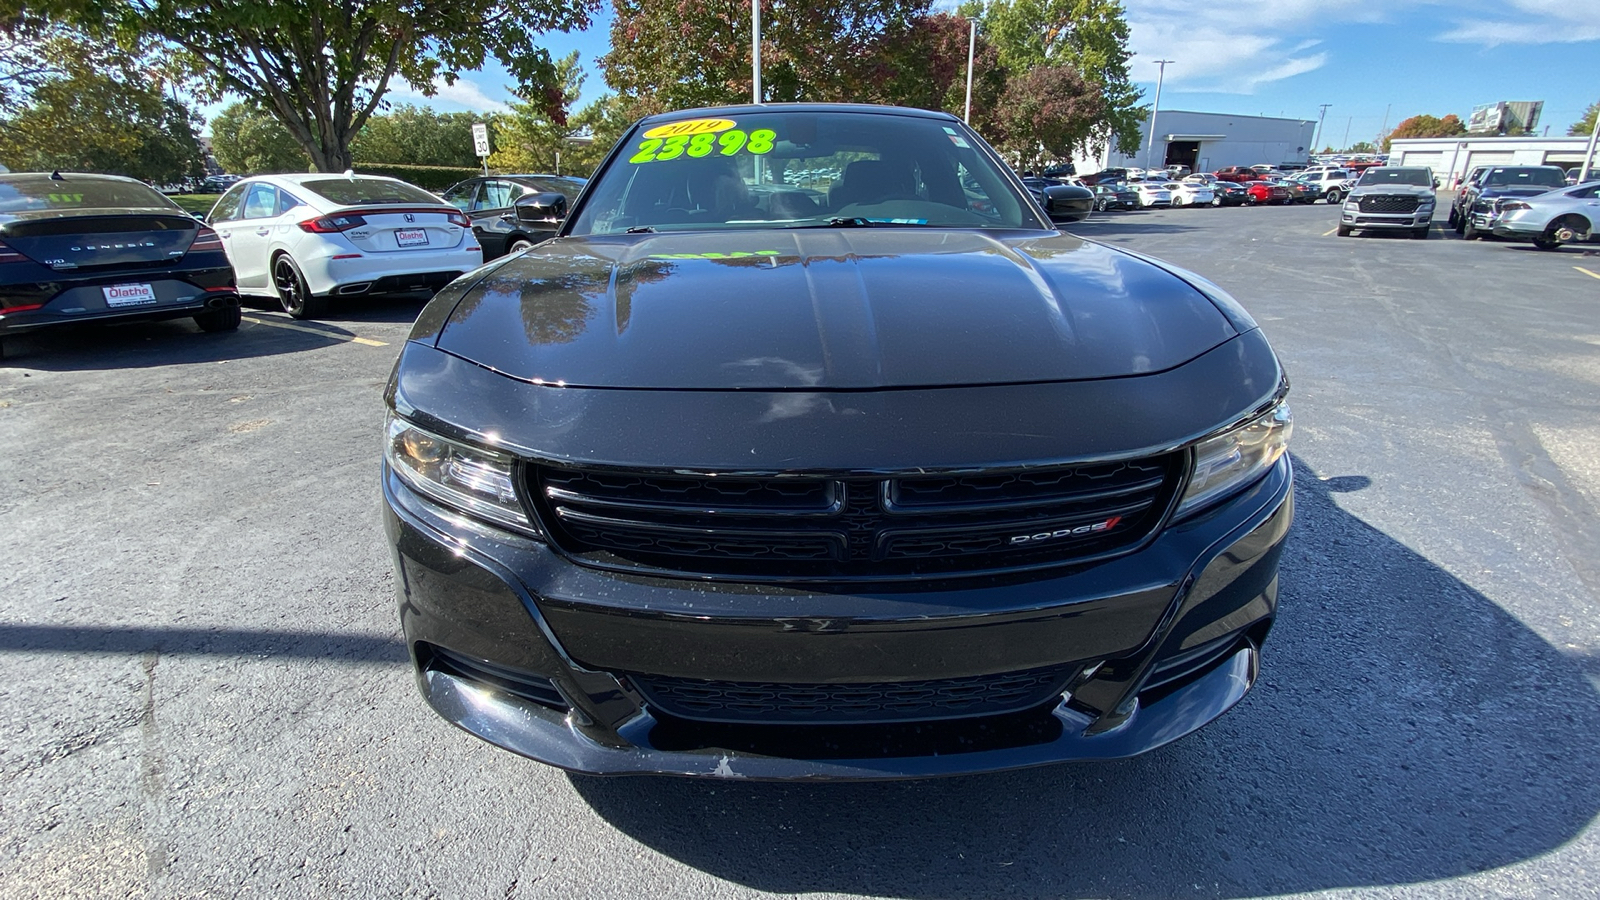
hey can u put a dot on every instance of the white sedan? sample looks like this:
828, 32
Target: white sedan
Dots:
1152, 193
1190, 193
304, 239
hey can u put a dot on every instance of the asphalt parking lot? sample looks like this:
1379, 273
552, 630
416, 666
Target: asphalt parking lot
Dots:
206, 693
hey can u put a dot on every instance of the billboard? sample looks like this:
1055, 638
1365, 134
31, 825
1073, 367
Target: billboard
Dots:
1505, 117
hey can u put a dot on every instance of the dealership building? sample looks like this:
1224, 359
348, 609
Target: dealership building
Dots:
1453, 157
1206, 142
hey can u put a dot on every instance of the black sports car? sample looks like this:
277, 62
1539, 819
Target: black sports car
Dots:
95, 248
511, 213
731, 483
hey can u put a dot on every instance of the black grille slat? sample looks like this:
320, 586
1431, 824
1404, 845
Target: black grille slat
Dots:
821, 704
1382, 203
784, 527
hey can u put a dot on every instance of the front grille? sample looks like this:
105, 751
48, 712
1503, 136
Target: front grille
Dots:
797, 527
1381, 203
838, 704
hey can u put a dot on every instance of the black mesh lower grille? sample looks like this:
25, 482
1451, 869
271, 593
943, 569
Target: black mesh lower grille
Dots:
831, 704
1386, 204
789, 527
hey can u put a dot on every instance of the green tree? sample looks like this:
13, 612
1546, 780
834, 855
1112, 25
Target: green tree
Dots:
527, 138
88, 121
1425, 126
248, 140
416, 136
676, 55
1362, 147
1049, 113
1090, 36
928, 69
1585, 125
323, 68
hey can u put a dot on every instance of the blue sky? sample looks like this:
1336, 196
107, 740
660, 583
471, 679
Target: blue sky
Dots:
1285, 57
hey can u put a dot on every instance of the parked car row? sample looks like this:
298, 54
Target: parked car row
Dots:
1526, 203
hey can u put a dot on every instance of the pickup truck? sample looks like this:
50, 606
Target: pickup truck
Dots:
1475, 206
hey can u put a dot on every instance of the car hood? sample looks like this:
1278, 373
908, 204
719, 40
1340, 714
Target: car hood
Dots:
1514, 191
1393, 190
826, 309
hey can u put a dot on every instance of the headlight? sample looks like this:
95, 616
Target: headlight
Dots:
473, 480
1232, 460
1352, 206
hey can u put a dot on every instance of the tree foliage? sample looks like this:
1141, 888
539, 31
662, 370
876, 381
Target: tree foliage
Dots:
1425, 126
1049, 113
529, 137
89, 121
685, 53
322, 69
248, 140
412, 135
1585, 125
1090, 36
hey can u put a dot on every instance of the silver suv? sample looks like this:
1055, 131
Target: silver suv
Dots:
1329, 184
1391, 198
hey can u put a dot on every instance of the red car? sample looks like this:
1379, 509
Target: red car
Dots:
1237, 174
1267, 192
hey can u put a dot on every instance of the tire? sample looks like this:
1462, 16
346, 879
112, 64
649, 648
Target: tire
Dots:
1422, 233
1342, 230
518, 245
1469, 231
1216, 202
1334, 197
1546, 243
293, 294
226, 319
1453, 219
1461, 223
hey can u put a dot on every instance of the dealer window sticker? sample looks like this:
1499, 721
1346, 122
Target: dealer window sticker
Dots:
699, 138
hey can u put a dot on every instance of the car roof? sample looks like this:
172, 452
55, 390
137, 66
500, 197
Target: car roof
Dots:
29, 177
303, 177
750, 108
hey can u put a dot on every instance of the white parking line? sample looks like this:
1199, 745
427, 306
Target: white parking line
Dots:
369, 342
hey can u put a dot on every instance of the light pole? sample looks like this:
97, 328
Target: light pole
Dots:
755, 51
1150, 139
1317, 135
972, 47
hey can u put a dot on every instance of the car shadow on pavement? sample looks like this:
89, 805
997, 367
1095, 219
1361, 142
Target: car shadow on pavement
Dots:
137, 345
1405, 729
172, 641
1131, 223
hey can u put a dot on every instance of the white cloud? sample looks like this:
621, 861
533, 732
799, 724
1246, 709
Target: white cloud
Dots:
465, 94
1531, 22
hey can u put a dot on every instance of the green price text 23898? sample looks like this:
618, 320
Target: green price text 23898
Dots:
728, 143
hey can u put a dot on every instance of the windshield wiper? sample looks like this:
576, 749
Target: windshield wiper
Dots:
848, 222
640, 229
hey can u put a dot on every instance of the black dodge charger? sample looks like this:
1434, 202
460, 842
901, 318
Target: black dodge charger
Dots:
809, 449
78, 248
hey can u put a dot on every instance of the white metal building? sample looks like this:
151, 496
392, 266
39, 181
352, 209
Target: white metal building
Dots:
1452, 158
1206, 142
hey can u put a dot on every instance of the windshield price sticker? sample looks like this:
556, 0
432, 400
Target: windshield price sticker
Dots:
689, 128
727, 143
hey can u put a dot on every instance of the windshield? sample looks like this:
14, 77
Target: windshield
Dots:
1531, 177
794, 169
1383, 175
361, 191
33, 192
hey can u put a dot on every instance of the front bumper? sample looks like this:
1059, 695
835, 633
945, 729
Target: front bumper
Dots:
1408, 221
531, 652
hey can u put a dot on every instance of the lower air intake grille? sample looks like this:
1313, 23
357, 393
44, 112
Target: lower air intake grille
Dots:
797, 527
834, 704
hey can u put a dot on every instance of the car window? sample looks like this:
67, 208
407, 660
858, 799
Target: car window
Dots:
353, 191
566, 187
1529, 177
260, 203
1387, 175
20, 194
227, 206
1587, 192
288, 201
461, 195
496, 195
796, 168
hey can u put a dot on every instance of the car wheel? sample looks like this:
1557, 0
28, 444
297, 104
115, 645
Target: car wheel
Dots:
1568, 229
1334, 197
1545, 242
1342, 230
1453, 218
1461, 223
226, 319
1469, 231
518, 245
293, 293
1216, 201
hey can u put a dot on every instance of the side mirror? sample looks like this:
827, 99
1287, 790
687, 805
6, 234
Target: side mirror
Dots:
549, 207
